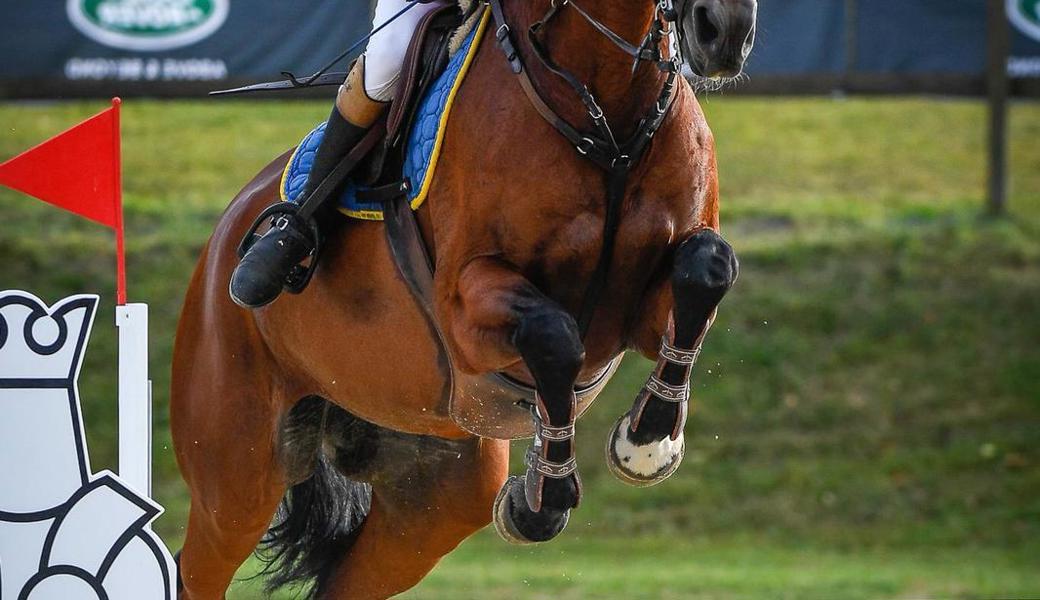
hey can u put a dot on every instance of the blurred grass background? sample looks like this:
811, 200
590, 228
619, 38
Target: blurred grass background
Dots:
867, 415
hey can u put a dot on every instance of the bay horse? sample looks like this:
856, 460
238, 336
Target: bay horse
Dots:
334, 404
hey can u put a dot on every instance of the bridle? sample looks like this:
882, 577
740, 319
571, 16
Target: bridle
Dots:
649, 50
602, 148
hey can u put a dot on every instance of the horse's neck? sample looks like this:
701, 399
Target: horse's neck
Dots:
576, 46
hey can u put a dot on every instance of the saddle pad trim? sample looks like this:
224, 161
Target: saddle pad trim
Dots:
471, 55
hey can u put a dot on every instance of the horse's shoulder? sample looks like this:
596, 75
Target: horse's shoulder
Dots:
683, 164
689, 120
684, 148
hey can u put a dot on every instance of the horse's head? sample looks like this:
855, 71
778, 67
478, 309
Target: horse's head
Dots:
716, 36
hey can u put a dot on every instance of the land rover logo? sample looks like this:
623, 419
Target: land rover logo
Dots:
147, 24
1025, 14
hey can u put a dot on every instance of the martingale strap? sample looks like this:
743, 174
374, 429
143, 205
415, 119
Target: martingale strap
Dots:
602, 148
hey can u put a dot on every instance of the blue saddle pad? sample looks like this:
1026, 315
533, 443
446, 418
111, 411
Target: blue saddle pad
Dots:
422, 146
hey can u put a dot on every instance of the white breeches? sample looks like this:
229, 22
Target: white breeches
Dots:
385, 54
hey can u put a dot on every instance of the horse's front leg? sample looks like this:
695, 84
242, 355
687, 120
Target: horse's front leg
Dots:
496, 318
647, 445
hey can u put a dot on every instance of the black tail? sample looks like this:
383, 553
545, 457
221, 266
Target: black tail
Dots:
317, 523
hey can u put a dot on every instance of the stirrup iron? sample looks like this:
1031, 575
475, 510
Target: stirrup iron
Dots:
280, 215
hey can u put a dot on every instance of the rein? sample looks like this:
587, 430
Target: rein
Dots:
602, 147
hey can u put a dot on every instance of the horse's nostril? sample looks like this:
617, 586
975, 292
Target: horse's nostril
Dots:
707, 33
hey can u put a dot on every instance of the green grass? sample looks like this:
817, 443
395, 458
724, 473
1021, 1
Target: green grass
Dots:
867, 422
581, 566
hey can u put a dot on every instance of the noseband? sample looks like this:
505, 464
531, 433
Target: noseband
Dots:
601, 147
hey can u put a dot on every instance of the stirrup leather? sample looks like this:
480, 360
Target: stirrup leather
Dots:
281, 216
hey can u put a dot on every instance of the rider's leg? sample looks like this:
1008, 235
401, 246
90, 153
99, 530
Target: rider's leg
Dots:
260, 276
387, 48
371, 84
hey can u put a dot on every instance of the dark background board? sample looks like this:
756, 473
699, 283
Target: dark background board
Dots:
921, 36
46, 55
803, 46
799, 36
258, 38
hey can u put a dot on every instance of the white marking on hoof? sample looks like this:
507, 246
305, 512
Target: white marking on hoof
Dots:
642, 465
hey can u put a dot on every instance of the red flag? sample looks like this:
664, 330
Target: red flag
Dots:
78, 170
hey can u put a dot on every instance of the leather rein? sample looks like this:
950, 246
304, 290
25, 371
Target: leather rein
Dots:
616, 159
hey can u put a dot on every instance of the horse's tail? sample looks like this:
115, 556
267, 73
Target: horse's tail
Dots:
317, 524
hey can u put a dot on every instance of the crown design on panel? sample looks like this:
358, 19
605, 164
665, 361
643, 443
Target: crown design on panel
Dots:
41, 343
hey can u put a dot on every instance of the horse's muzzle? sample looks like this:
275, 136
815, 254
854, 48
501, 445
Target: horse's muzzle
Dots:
717, 35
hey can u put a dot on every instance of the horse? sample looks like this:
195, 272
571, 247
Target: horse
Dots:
333, 409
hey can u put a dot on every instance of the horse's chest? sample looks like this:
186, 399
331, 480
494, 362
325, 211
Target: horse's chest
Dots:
559, 249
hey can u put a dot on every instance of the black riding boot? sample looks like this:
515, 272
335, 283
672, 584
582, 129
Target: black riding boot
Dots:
264, 270
268, 265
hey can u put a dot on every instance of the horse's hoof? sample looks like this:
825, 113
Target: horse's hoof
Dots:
642, 466
517, 524
503, 522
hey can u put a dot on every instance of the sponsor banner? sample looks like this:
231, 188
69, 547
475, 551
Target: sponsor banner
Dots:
103, 47
915, 36
1025, 49
902, 37
147, 25
167, 41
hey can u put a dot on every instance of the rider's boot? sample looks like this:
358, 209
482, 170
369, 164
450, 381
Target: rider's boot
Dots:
264, 270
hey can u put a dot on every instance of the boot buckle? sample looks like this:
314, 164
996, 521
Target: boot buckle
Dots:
281, 222
281, 215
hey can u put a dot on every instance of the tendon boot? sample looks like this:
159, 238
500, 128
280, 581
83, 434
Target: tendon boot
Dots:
271, 263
